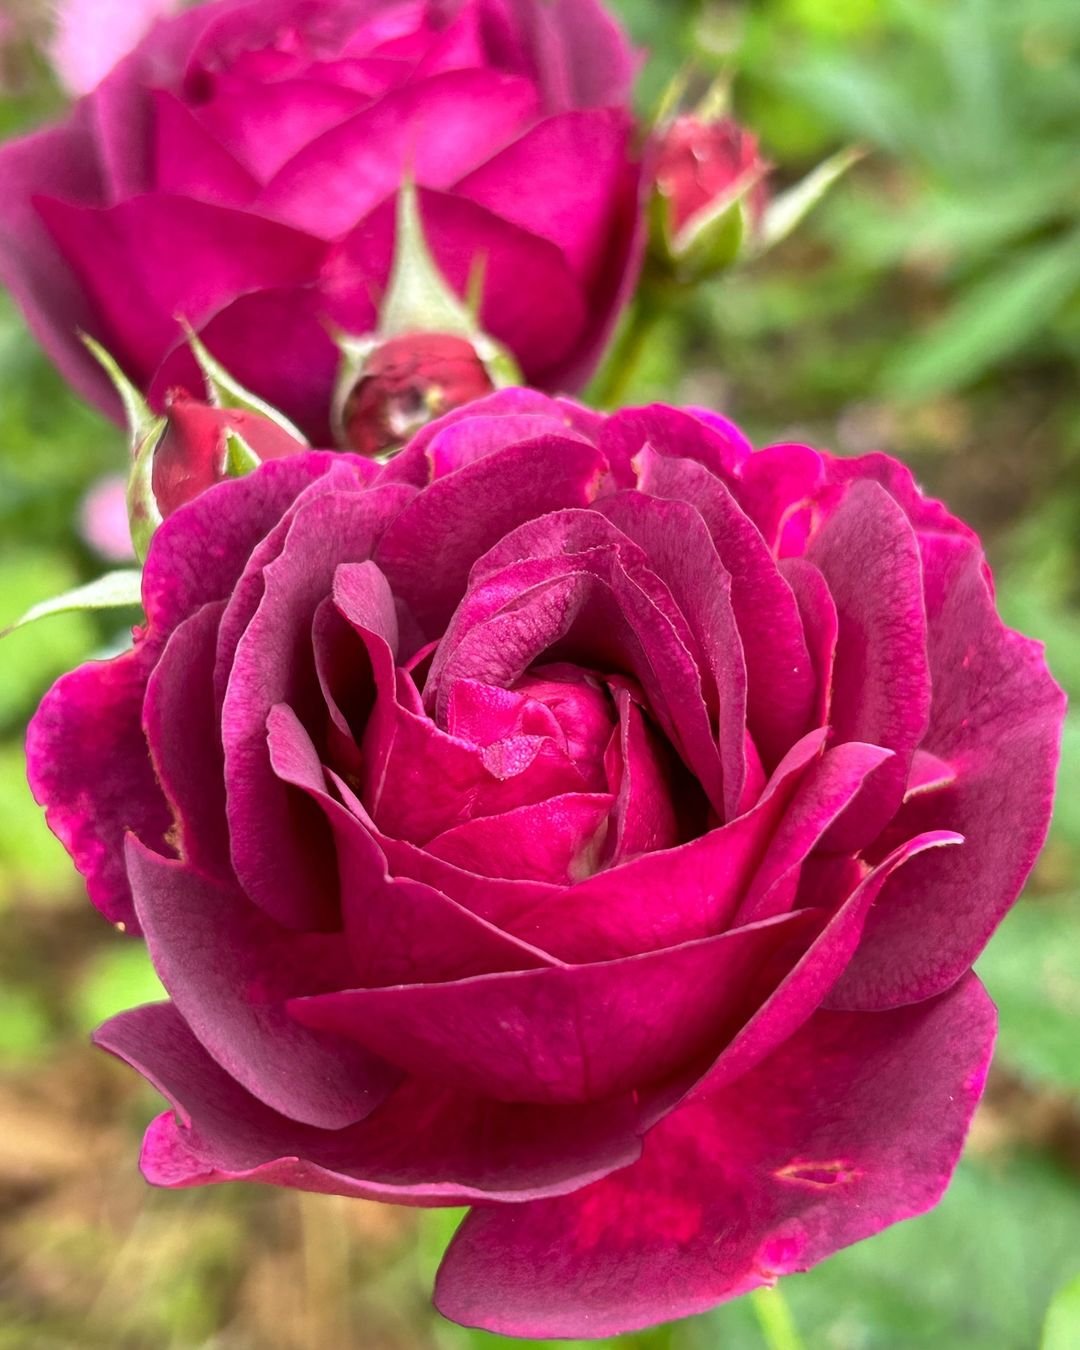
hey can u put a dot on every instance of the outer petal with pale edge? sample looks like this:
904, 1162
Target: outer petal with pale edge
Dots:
855, 1123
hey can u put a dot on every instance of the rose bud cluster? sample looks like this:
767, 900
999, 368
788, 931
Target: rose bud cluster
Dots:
584, 819
239, 169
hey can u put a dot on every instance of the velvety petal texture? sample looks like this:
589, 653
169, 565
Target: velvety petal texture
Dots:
591, 818
238, 168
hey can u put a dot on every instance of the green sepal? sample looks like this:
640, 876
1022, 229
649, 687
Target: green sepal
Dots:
226, 392
115, 590
418, 297
240, 459
788, 210
143, 514
140, 418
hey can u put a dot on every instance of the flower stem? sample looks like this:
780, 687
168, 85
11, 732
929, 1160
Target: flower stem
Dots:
778, 1329
622, 365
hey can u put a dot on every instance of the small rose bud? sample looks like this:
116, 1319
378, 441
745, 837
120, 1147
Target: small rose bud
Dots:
709, 194
199, 444
406, 382
195, 442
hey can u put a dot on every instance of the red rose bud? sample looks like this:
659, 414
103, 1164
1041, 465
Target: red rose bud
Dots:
406, 382
201, 445
709, 193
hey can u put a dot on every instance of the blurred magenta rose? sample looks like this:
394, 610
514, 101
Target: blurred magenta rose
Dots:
586, 818
239, 169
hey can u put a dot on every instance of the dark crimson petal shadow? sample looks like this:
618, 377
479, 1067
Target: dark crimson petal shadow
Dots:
280, 845
818, 801
996, 722
426, 1145
681, 552
558, 840
869, 556
184, 740
398, 929
88, 766
658, 900
437, 130
230, 971
146, 260
645, 817
781, 686
856, 1123
806, 986
428, 551
566, 1033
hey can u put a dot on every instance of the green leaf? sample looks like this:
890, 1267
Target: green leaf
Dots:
990, 322
1062, 1328
115, 590
787, 210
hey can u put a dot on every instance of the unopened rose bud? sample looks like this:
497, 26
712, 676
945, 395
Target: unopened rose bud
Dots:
709, 194
194, 443
201, 445
406, 382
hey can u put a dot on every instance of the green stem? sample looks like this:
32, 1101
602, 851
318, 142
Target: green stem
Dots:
778, 1329
623, 362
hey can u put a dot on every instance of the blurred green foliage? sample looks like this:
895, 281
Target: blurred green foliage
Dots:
931, 307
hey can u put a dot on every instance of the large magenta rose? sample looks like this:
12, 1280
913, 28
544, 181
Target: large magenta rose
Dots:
584, 818
240, 167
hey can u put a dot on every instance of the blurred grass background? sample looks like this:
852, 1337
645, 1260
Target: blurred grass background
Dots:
931, 307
